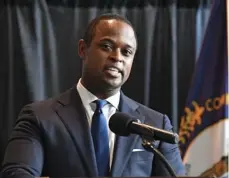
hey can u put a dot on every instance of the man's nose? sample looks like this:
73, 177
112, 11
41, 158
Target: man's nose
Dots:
116, 55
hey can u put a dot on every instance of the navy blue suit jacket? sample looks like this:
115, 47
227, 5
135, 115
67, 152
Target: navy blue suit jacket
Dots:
52, 138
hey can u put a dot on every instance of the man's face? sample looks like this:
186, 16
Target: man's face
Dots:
108, 60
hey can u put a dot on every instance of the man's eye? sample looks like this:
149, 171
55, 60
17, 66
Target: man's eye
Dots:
127, 52
106, 46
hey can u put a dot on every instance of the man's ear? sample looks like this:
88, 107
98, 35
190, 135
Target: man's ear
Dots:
82, 48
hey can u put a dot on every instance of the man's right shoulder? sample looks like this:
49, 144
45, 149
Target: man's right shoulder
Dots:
47, 106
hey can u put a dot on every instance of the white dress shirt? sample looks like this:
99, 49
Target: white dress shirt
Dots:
108, 110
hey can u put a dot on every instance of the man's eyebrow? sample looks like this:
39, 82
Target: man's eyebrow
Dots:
106, 40
113, 42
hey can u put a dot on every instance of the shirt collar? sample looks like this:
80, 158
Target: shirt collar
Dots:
87, 97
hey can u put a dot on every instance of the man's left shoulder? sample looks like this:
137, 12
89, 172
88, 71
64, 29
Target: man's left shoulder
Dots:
147, 112
150, 111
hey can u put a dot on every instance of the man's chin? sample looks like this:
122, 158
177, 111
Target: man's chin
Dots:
113, 84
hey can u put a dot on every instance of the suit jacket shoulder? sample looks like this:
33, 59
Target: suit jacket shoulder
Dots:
152, 117
44, 108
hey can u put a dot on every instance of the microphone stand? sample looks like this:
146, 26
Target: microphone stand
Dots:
148, 145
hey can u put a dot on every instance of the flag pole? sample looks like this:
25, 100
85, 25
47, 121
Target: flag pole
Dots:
227, 22
227, 13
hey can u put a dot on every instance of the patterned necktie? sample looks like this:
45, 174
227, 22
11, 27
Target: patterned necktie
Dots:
100, 139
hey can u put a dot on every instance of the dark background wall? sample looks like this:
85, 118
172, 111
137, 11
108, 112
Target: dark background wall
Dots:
38, 51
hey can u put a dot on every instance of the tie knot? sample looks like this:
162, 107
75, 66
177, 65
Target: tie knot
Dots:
100, 104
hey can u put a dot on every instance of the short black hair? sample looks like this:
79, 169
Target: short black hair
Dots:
90, 30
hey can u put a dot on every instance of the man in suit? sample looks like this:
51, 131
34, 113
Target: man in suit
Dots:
58, 138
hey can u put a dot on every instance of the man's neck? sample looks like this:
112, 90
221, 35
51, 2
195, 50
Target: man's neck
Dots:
100, 93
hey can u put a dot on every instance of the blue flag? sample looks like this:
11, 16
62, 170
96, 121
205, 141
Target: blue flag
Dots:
204, 126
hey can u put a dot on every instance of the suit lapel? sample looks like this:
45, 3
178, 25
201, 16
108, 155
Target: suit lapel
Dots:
124, 145
73, 116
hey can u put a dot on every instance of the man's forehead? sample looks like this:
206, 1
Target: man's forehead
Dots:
113, 28
114, 25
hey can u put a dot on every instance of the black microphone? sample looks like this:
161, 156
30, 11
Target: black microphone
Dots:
122, 124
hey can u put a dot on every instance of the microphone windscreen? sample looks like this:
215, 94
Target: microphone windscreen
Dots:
119, 123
